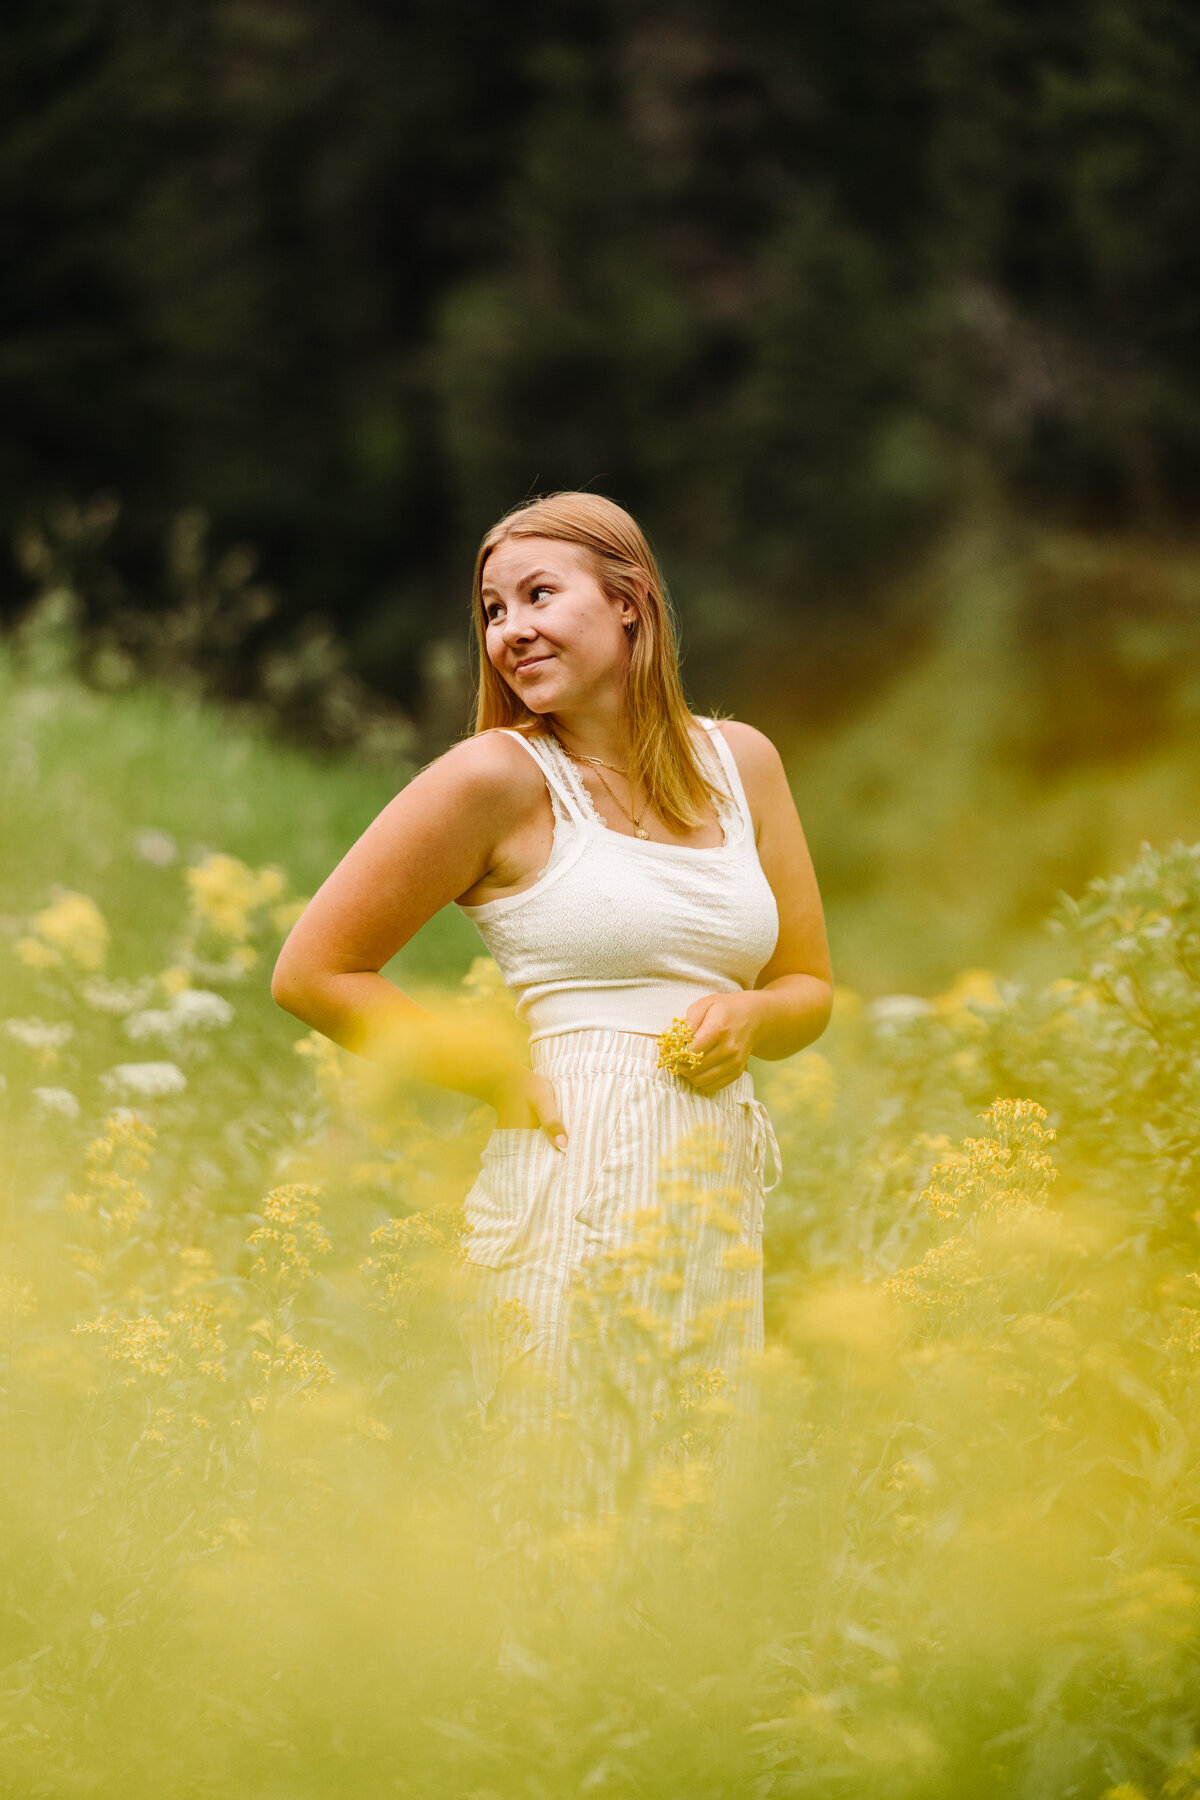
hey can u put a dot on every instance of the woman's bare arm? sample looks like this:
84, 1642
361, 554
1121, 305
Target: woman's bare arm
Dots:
441, 835
791, 1004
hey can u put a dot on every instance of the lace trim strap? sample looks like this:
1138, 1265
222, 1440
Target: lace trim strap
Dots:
736, 792
562, 798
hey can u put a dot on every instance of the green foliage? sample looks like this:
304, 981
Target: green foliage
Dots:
204, 638
1053, 705
793, 283
257, 1538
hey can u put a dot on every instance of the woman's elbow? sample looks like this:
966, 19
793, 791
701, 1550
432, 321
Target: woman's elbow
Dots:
823, 1010
288, 989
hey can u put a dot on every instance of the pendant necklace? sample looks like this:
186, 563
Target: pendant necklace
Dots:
639, 830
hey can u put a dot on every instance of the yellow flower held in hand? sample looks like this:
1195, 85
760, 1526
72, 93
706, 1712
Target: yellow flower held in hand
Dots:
674, 1048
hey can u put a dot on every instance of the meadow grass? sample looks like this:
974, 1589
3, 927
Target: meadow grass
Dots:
260, 1542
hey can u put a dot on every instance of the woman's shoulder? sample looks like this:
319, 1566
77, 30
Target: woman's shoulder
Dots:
752, 749
491, 766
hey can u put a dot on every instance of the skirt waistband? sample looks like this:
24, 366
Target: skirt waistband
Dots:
600, 1051
606, 1052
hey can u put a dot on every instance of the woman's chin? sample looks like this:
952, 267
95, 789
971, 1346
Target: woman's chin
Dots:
540, 696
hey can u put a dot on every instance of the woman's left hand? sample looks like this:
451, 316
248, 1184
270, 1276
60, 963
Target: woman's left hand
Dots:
723, 1033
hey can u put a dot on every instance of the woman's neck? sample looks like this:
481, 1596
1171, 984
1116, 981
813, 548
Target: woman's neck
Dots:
591, 735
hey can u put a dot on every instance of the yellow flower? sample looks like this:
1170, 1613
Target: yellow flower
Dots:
284, 917
175, 980
225, 892
111, 1198
674, 1048
291, 1234
289, 1365
36, 955
807, 1082
73, 926
978, 985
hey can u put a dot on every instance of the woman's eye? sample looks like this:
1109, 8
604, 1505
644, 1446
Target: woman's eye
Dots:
534, 592
493, 613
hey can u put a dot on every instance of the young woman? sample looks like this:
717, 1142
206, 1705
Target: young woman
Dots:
627, 865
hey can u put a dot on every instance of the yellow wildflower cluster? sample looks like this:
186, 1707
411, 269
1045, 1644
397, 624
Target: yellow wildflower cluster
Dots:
674, 1048
225, 892
1181, 1343
943, 1281
290, 1238
72, 929
805, 1084
407, 1250
972, 987
233, 903
185, 1340
195, 1270
640, 1330
483, 985
167, 1422
695, 1184
111, 1197
1183, 1783
288, 1368
143, 1342
1008, 1168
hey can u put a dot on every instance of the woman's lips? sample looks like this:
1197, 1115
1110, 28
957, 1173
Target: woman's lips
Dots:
530, 662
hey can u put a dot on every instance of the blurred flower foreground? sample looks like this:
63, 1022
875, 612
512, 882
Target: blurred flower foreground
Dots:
259, 1540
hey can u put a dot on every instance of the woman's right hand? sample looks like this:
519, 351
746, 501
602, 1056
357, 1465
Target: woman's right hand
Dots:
525, 1101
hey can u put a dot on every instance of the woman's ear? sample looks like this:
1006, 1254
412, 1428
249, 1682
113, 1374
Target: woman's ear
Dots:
630, 607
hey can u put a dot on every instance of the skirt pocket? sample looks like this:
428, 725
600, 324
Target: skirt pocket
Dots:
609, 1146
518, 1167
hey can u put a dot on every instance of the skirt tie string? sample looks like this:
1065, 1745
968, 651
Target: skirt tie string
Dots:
763, 1142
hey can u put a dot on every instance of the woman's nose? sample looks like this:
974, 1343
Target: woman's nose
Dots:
517, 629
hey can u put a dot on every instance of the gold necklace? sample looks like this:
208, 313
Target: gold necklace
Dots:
577, 756
639, 830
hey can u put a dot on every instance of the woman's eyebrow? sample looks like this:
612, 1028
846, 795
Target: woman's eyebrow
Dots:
525, 580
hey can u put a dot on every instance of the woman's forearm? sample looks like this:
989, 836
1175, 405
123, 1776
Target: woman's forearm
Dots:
368, 1015
793, 1011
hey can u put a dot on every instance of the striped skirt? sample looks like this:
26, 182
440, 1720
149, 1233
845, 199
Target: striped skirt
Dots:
618, 1284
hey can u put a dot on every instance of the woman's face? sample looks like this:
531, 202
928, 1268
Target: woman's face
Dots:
553, 633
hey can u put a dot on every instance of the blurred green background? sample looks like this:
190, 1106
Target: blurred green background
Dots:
881, 316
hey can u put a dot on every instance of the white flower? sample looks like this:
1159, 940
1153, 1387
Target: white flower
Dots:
116, 996
149, 1024
57, 1100
196, 1009
156, 847
193, 1009
898, 1009
35, 1034
149, 1079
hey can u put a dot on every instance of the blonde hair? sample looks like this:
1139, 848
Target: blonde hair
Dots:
661, 752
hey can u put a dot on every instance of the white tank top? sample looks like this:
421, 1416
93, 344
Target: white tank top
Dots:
620, 933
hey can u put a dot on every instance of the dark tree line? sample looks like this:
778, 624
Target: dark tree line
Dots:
795, 282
